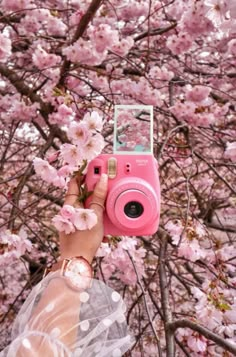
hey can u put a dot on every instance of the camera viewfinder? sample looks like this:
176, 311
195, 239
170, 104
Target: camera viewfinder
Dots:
96, 170
112, 167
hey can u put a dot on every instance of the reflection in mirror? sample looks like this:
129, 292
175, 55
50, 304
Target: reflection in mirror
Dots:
133, 131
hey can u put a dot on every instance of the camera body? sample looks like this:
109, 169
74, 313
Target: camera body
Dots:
133, 201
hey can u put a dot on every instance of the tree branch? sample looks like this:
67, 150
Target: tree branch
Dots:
84, 22
216, 172
155, 32
45, 108
170, 345
146, 306
174, 325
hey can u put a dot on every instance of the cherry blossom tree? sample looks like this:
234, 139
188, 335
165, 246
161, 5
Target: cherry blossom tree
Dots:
63, 66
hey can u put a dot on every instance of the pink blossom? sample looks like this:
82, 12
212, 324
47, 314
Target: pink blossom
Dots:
183, 110
217, 10
230, 151
12, 5
175, 230
84, 52
55, 26
71, 154
198, 93
160, 73
230, 315
108, 269
63, 224
191, 250
133, 10
84, 219
65, 170
44, 170
104, 37
53, 157
5, 47
103, 250
93, 147
128, 275
232, 8
200, 229
93, 121
16, 245
121, 261
122, 48
119, 255
232, 47
128, 243
179, 43
63, 116
227, 329
197, 343
79, 133
76, 17
59, 181
202, 119
67, 212
197, 293
195, 22
42, 59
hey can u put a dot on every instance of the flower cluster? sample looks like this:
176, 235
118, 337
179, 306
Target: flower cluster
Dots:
69, 219
5, 47
188, 239
86, 144
230, 151
179, 44
42, 59
12, 245
116, 258
94, 51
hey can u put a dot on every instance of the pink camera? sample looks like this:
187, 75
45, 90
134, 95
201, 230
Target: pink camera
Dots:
133, 200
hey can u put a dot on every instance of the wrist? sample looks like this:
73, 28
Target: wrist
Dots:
77, 271
70, 254
61, 261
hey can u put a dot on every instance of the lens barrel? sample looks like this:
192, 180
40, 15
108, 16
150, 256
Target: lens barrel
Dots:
133, 209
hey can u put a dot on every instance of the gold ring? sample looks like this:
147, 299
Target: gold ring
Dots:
97, 203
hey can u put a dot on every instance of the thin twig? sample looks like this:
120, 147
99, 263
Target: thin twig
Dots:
146, 305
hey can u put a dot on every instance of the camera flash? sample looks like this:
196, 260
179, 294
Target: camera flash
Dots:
112, 164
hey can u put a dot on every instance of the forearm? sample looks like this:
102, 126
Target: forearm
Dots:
57, 315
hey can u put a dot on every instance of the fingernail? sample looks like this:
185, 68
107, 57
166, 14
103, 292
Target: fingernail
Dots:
104, 178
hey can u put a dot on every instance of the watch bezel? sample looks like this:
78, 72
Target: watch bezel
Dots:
77, 280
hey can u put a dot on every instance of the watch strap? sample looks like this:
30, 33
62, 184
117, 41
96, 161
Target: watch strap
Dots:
61, 264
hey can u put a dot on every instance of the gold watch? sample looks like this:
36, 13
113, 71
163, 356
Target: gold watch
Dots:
77, 271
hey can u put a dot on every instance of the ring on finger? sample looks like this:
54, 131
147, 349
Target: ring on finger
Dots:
97, 203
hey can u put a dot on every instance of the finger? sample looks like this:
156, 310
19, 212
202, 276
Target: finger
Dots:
71, 197
99, 195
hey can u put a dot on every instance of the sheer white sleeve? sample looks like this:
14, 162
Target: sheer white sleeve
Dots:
56, 321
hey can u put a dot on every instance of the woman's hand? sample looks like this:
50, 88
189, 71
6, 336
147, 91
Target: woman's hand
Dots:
85, 243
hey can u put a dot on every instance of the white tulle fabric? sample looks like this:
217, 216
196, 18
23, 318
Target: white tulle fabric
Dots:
57, 321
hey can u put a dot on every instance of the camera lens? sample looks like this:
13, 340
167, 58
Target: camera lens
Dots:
133, 209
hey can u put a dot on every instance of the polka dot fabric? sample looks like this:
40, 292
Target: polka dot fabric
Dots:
63, 322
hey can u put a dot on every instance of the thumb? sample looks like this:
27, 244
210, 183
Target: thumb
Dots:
99, 195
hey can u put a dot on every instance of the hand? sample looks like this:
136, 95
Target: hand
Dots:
84, 243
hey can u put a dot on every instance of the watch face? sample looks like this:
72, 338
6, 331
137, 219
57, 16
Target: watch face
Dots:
79, 273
